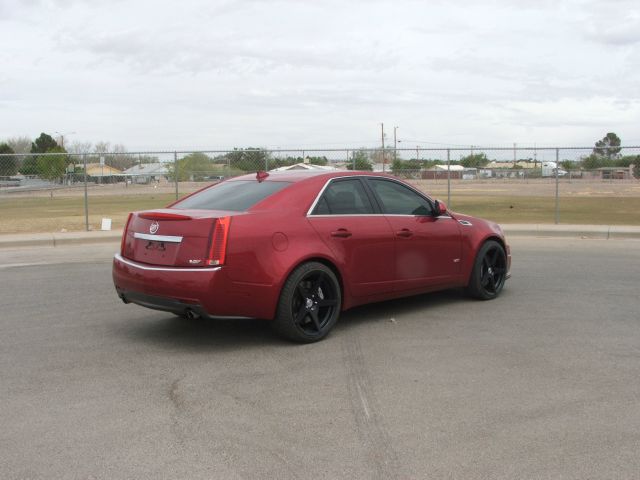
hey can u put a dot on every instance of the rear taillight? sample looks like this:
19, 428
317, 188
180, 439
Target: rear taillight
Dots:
124, 234
218, 245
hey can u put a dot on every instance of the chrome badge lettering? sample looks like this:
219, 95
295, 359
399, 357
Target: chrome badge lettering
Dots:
154, 227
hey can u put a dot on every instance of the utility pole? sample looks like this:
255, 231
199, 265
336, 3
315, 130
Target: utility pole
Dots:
382, 136
514, 154
395, 145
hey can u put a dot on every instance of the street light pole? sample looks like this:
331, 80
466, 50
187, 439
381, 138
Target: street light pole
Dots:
62, 135
382, 136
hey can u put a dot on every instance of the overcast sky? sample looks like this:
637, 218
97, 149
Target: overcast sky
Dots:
218, 74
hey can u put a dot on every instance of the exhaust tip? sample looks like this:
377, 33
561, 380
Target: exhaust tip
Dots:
190, 314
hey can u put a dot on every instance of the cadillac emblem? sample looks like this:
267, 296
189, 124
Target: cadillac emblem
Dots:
153, 228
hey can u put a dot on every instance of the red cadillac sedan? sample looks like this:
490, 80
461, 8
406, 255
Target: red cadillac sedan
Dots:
299, 247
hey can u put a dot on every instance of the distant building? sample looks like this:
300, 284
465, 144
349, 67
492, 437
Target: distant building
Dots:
616, 173
304, 166
147, 173
99, 173
442, 172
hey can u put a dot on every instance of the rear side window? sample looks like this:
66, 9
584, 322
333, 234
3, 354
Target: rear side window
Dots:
344, 197
236, 196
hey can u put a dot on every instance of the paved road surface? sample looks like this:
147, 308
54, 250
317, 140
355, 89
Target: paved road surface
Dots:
540, 383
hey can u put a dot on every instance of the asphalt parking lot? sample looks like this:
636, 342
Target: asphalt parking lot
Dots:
540, 383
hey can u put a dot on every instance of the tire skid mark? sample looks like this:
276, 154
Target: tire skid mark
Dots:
372, 432
185, 414
177, 416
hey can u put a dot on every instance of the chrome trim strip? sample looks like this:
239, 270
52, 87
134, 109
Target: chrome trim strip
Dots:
315, 202
411, 187
119, 258
158, 238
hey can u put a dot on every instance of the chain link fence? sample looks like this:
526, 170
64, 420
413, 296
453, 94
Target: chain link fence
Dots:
75, 191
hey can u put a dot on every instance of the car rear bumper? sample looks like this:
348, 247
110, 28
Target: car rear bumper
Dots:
162, 303
204, 291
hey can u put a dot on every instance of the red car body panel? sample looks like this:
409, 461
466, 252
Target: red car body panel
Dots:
375, 257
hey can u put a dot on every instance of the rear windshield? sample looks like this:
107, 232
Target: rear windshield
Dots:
236, 196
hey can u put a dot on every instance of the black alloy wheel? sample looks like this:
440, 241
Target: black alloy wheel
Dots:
309, 304
489, 271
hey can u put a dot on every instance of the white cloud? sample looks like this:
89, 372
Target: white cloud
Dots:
204, 74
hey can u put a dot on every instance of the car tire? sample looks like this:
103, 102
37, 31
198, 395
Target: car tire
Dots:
489, 271
309, 304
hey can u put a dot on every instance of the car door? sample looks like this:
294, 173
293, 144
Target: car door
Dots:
357, 234
427, 247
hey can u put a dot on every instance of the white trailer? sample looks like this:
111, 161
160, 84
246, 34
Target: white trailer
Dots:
549, 170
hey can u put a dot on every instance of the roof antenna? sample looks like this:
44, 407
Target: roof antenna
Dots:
261, 175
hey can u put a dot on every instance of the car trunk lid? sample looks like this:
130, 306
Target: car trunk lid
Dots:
179, 238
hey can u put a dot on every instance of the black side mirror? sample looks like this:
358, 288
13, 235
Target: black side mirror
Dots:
440, 208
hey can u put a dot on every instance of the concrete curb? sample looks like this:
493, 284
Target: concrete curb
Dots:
58, 239
604, 232
511, 230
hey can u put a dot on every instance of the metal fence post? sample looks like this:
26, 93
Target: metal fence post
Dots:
86, 199
448, 177
557, 181
266, 162
175, 170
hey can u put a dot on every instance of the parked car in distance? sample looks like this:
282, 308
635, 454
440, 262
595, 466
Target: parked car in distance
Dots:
299, 247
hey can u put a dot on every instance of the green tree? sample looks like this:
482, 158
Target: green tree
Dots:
361, 160
476, 160
567, 165
609, 146
401, 167
250, 159
629, 160
30, 165
53, 164
594, 161
8, 164
43, 144
193, 167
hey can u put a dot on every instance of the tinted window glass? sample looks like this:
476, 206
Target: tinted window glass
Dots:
400, 200
343, 197
236, 196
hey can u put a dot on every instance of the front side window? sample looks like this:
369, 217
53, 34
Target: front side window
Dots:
400, 200
236, 196
344, 197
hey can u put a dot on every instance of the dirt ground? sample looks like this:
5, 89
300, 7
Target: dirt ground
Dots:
493, 187
504, 201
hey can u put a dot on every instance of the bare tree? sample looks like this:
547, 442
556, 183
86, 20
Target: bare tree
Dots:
20, 144
101, 147
77, 149
120, 158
